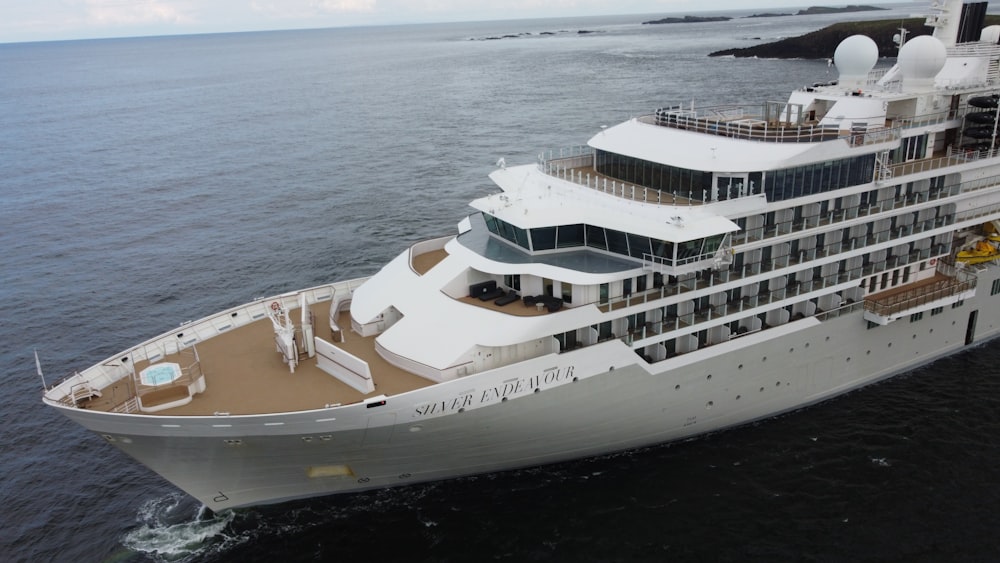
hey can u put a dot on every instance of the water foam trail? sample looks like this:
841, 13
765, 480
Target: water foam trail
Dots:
173, 528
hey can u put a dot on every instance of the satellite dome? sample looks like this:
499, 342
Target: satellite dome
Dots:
920, 59
990, 34
855, 57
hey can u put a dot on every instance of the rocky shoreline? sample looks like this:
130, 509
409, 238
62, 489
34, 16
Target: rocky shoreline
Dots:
822, 43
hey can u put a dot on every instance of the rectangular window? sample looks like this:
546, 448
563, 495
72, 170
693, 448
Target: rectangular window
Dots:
957, 304
936, 311
640, 284
996, 287
916, 317
604, 331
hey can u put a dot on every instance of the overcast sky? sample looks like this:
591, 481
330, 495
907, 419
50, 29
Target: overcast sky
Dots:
42, 20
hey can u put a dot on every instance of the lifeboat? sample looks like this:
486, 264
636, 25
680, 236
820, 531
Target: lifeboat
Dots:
982, 132
985, 101
981, 117
984, 251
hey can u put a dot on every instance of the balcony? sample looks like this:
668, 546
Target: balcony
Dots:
949, 285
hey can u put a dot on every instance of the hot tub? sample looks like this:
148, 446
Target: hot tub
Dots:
160, 374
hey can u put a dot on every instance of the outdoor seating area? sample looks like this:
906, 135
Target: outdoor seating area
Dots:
489, 291
551, 304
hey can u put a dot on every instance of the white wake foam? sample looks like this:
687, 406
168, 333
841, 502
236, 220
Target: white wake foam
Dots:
174, 528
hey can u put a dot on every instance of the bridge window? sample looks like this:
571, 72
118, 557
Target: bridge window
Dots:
543, 238
570, 235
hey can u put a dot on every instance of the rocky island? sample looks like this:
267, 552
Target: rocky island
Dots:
690, 19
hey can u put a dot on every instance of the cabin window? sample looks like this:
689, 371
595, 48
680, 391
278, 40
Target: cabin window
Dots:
604, 331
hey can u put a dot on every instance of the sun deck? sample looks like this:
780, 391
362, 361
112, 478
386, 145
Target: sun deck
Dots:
245, 375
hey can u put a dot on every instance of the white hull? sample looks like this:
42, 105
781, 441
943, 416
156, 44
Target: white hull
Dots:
256, 460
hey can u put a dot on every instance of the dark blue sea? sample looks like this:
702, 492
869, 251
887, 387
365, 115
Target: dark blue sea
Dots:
146, 182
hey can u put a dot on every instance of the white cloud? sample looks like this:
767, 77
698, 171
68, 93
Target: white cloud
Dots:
345, 6
133, 12
294, 9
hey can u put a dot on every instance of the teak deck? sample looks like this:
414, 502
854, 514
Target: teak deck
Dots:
244, 374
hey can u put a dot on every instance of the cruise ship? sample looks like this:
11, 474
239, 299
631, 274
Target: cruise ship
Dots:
686, 271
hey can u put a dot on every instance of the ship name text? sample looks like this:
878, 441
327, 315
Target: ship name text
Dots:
509, 388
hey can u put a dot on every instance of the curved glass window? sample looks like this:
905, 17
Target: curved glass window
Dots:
617, 241
570, 235
638, 245
663, 249
543, 238
595, 237
491, 223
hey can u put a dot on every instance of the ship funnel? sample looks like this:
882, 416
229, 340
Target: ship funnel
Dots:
855, 57
920, 60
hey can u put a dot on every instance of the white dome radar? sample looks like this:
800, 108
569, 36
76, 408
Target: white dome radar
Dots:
855, 57
920, 60
990, 34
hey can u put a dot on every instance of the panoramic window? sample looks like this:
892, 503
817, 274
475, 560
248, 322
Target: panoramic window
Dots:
595, 237
617, 241
570, 235
611, 240
543, 238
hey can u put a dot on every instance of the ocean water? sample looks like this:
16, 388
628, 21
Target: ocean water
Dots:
146, 182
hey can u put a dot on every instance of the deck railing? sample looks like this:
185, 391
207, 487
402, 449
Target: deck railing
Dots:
958, 281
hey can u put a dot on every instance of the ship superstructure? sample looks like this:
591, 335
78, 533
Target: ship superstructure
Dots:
685, 271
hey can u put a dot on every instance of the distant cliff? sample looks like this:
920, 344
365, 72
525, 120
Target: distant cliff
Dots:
821, 44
